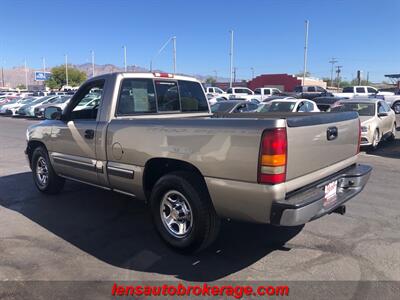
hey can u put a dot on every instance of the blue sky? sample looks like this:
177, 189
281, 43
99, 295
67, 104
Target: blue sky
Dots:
269, 35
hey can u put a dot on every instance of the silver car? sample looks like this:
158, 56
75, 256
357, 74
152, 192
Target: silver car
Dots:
378, 120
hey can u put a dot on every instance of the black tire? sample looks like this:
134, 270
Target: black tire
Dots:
204, 225
54, 183
392, 136
396, 107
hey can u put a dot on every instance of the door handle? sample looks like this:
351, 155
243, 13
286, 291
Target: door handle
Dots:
89, 134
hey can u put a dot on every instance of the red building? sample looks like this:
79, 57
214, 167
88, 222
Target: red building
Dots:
284, 82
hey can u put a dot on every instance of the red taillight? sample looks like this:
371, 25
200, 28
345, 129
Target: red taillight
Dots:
273, 156
359, 136
164, 75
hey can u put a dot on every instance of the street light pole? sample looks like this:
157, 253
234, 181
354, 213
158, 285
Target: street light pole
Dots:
66, 68
92, 63
125, 65
174, 52
162, 48
231, 60
305, 52
44, 64
26, 75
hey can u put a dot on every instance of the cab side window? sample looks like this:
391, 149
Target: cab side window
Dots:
136, 96
88, 102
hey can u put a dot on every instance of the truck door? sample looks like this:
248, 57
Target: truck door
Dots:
73, 145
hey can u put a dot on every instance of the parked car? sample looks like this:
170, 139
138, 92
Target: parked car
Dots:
360, 91
153, 137
292, 105
327, 103
392, 100
61, 102
308, 92
378, 121
28, 110
260, 94
239, 93
233, 106
216, 92
212, 100
12, 107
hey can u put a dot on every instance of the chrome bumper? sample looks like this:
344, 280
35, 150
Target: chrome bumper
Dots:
307, 204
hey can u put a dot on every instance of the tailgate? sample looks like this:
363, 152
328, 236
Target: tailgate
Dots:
321, 140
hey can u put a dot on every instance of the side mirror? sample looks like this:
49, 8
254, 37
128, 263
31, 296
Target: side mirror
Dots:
52, 113
383, 114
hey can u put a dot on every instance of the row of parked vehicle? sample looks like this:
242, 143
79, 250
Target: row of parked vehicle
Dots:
31, 106
378, 119
323, 96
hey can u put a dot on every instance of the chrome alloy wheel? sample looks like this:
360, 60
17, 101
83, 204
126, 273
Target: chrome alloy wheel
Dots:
176, 214
42, 171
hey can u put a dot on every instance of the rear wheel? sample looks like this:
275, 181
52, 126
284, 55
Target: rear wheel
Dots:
396, 107
46, 180
183, 213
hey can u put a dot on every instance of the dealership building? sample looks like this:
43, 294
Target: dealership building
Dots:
284, 82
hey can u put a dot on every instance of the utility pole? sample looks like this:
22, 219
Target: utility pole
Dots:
338, 70
125, 65
216, 75
2, 72
333, 61
305, 52
66, 68
26, 75
231, 59
92, 52
44, 64
252, 73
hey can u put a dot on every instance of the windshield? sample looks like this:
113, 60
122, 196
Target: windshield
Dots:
225, 106
283, 106
363, 109
263, 107
62, 99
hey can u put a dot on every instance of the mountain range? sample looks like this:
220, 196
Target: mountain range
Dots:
16, 75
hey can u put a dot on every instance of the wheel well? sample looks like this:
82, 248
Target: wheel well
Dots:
155, 168
32, 145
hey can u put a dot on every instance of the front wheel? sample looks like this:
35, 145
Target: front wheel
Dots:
392, 136
183, 213
46, 180
375, 140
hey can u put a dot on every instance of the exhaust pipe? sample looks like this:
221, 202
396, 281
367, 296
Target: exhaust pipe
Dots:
340, 210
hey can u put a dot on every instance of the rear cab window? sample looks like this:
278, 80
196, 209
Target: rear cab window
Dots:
141, 95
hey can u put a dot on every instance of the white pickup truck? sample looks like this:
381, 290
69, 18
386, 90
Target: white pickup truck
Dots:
260, 94
360, 91
216, 92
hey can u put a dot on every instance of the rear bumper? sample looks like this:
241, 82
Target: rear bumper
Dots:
309, 203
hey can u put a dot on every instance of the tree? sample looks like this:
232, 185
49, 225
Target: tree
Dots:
300, 74
211, 80
21, 86
58, 78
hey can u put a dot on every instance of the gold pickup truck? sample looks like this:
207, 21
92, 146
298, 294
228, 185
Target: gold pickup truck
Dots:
152, 136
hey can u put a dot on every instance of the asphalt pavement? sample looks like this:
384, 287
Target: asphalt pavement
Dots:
87, 234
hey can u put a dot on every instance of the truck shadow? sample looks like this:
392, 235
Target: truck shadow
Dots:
118, 230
